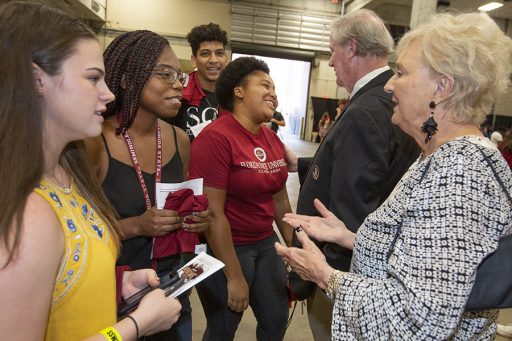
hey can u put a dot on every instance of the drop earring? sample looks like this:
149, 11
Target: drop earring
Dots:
430, 126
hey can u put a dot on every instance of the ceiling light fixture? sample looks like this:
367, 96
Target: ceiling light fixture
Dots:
490, 6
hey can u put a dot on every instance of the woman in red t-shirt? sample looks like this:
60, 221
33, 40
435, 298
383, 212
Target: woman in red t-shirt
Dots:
243, 164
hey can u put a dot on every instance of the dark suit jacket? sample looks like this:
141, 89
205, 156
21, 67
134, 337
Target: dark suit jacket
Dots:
358, 163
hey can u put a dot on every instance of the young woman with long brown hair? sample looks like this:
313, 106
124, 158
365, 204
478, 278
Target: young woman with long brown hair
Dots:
59, 238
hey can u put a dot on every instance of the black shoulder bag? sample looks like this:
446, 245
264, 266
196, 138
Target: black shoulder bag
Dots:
492, 288
493, 283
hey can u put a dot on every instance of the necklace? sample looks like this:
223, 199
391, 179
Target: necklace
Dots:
210, 106
59, 185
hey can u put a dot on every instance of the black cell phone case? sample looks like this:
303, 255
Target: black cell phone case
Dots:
167, 282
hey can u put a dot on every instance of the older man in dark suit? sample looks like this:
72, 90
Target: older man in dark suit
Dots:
364, 155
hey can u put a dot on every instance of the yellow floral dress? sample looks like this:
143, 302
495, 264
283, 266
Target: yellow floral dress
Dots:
84, 296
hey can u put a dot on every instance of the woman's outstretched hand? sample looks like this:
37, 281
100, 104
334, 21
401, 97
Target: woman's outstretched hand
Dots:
309, 262
327, 228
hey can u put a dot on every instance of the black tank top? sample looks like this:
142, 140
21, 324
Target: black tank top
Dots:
123, 190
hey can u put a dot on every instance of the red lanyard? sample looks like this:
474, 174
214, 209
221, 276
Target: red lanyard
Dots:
136, 165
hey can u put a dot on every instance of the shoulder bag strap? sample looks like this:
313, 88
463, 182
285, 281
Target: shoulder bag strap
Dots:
496, 175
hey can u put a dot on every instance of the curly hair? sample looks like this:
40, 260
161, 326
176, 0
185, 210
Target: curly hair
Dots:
210, 32
367, 29
233, 75
129, 61
473, 50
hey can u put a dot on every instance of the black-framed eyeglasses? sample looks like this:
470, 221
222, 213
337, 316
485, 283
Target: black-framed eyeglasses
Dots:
169, 75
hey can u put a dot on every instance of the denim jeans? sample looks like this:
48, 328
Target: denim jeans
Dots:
265, 274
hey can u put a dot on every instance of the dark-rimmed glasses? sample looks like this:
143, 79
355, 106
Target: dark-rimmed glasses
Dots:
169, 75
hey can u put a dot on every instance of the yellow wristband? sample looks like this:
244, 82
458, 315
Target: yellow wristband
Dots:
111, 334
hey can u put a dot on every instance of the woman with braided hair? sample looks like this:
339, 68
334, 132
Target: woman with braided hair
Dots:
137, 149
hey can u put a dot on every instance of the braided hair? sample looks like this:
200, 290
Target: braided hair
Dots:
129, 61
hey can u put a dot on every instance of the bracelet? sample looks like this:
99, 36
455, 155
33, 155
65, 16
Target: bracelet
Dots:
333, 283
136, 326
111, 334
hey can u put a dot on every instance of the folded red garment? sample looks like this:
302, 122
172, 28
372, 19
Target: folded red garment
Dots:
185, 202
175, 242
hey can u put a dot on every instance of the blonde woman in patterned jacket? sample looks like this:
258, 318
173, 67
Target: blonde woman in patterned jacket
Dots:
448, 211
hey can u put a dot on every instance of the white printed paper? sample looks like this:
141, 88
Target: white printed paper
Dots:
207, 265
163, 189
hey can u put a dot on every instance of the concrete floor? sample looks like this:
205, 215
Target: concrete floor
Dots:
298, 329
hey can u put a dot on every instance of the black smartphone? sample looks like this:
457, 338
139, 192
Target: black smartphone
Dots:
128, 305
